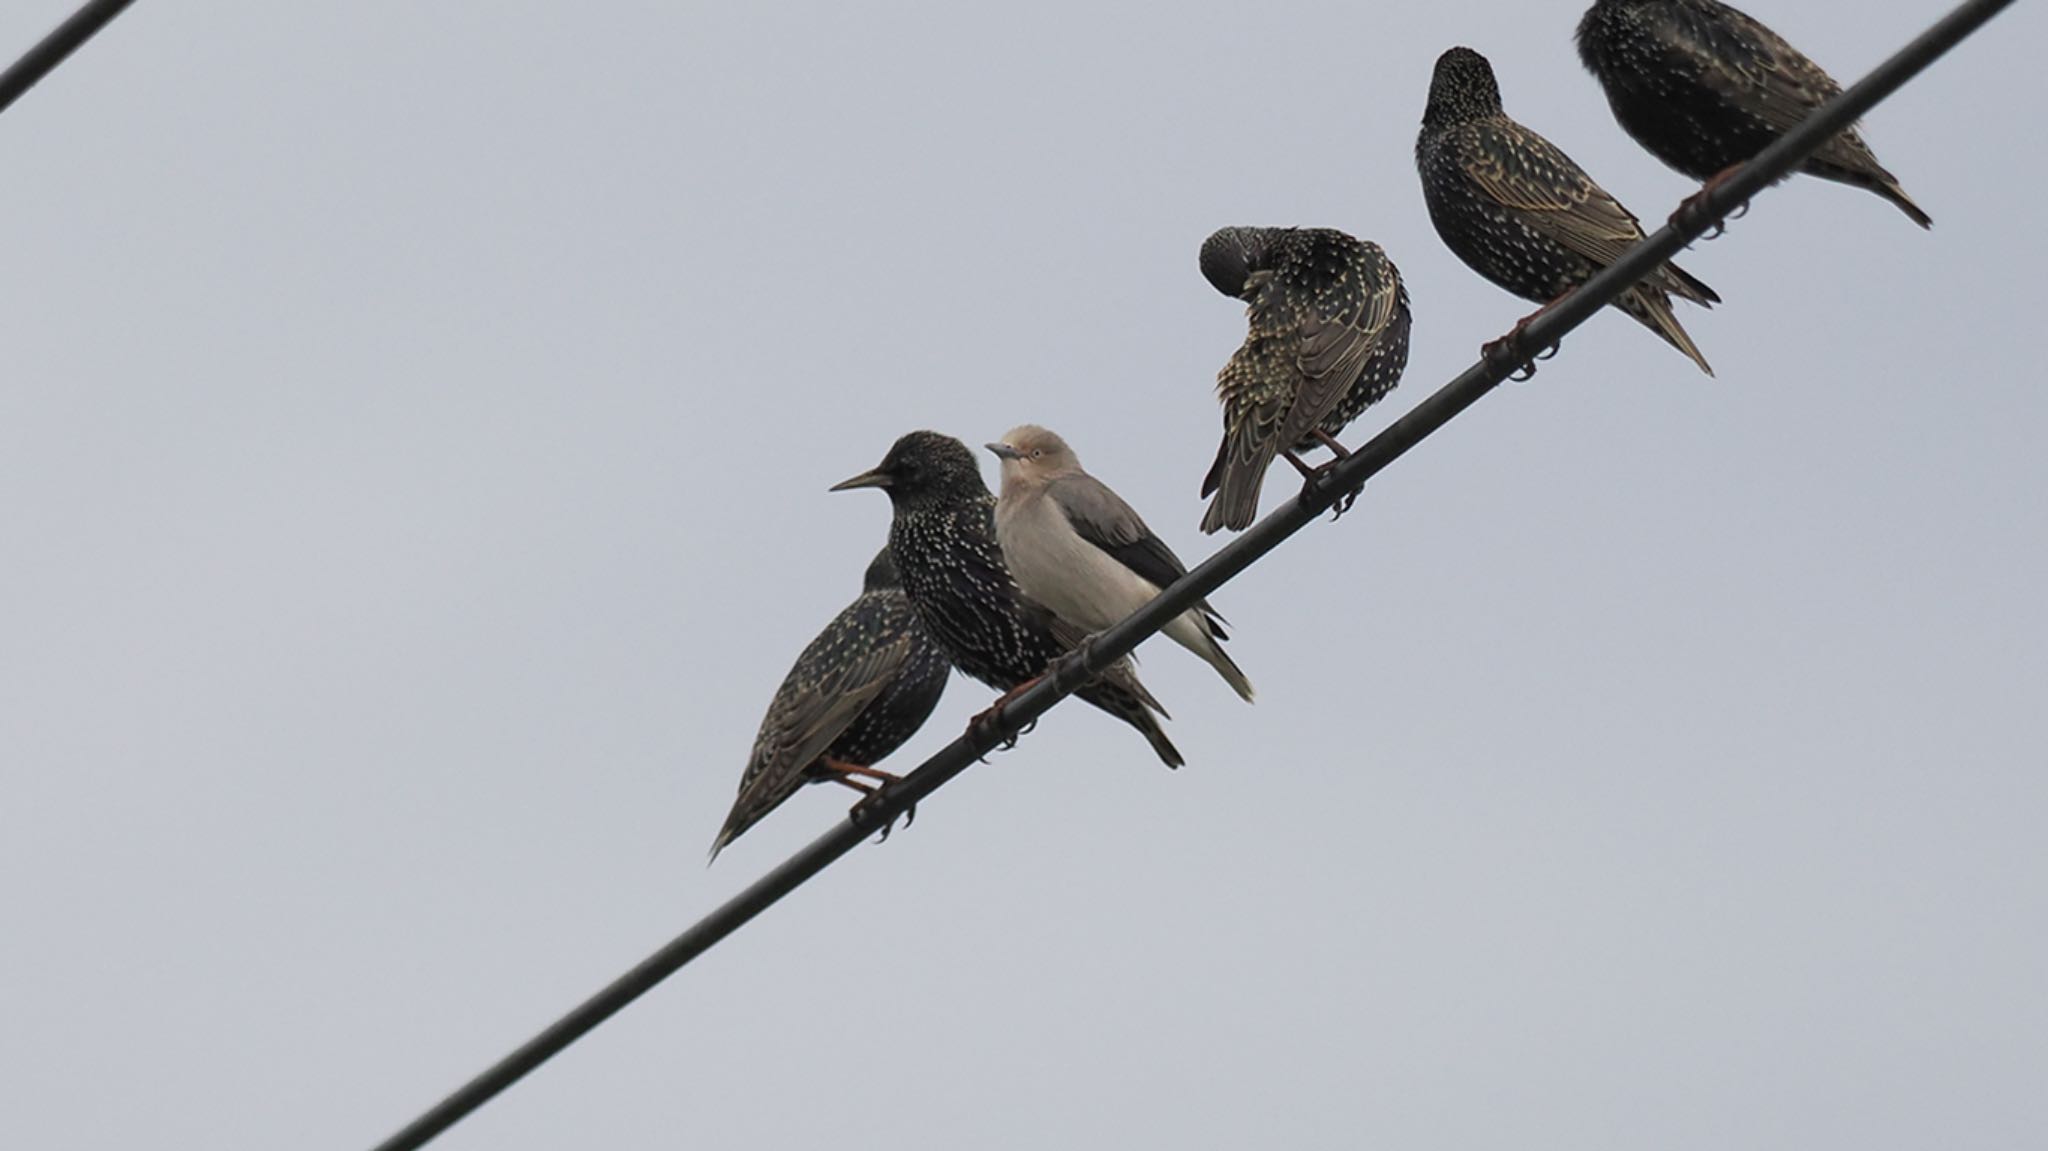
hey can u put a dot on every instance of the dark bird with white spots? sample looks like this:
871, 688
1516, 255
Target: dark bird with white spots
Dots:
1705, 87
857, 693
1328, 336
1519, 212
943, 540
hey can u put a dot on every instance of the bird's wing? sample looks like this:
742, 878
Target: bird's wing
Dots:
1526, 173
808, 715
1101, 517
1338, 335
1755, 66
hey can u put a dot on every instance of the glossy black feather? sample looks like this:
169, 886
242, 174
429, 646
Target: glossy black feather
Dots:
856, 693
1521, 213
943, 541
1704, 86
1328, 321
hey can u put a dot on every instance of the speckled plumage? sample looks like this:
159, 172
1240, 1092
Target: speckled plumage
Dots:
943, 540
1328, 319
1704, 86
857, 693
1521, 213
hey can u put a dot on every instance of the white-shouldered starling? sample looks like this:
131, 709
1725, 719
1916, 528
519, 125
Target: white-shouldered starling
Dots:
1705, 87
943, 539
857, 693
1075, 546
1328, 336
1518, 211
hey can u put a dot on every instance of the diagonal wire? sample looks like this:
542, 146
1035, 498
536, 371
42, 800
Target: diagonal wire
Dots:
1769, 166
58, 46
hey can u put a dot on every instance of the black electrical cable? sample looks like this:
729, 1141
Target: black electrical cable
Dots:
58, 46
1706, 212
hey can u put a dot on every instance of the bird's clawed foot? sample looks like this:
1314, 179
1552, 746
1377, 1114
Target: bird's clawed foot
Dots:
1314, 477
1692, 207
1508, 349
1072, 668
863, 811
985, 721
871, 794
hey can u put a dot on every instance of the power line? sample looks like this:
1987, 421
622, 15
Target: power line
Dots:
58, 46
1351, 473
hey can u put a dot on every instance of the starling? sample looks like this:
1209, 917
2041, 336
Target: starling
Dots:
1076, 547
943, 539
1518, 211
1705, 87
1329, 336
862, 688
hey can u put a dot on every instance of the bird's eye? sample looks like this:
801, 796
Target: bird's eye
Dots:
1037, 452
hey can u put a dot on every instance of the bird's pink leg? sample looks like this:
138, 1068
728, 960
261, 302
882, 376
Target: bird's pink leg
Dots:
841, 770
994, 713
846, 773
1697, 202
1505, 348
1313, 475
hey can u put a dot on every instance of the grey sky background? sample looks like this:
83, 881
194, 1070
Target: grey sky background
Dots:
414, 444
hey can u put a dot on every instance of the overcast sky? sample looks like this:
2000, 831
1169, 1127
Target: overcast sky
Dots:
414, 438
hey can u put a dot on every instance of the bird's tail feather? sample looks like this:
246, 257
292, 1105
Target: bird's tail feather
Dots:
1236, 478
1685, 285
1231, 673
1860, 169
1889, 188
1134, 708
1652, 309
1195, 632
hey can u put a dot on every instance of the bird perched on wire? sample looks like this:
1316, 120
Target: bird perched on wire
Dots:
943, 539
1328, 336
1518, 211
1075, 546
862, 688
1704, 88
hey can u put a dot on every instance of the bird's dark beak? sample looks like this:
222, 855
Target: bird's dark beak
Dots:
1004, 451
876, 478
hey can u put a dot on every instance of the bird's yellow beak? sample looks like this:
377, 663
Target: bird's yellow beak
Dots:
876, 478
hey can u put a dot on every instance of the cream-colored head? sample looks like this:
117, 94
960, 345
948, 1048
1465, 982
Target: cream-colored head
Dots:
1031, 455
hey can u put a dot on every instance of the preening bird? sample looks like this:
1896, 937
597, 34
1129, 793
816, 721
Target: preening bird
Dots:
1075, 546
1705, 87
943, 540
857, 693
1328, 336
1518, 211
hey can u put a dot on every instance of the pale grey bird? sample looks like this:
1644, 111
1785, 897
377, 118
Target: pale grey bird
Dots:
1076, 547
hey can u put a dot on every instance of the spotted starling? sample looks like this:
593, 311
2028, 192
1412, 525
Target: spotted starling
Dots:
862, 688
1705, 87
1076, 547
1328, 337
1517, 209
943, 539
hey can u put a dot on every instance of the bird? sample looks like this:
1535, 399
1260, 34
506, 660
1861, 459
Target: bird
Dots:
1704, 87
1328, 318
1075, 546
1519, 212
858, 691
943, 539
